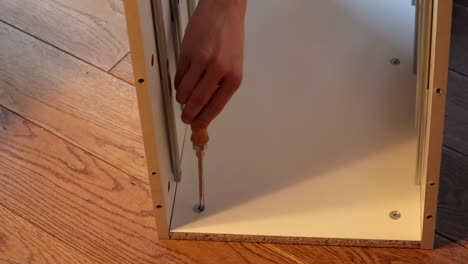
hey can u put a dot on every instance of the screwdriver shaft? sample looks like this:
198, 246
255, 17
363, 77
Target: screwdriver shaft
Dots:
199, 141
201, 190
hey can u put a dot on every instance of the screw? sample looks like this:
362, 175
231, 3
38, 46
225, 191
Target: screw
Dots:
198, 209
395, 62
395, 215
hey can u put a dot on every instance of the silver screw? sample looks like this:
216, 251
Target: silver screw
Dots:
395, 61
198, 209
395, 215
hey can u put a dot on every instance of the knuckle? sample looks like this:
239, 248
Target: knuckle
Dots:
202, 58
219, 67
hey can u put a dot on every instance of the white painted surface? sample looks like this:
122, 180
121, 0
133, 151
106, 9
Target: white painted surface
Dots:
320, 140
154, 85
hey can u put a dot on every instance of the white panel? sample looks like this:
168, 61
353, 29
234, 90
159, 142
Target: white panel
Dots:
172, 62
320, 139
153, 74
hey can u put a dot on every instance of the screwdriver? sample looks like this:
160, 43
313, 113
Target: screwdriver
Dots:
200, 140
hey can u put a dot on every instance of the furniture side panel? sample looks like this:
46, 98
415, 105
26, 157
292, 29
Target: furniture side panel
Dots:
143, 48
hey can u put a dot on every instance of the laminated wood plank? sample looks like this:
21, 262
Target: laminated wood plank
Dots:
459, 52
22, 242
74, 100
78, 198
445, 252
456, 115
462, 2
99, 211
452, 215
124, 69
91, 30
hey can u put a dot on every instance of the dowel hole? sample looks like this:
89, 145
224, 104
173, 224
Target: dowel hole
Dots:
141, 80
431, 183
438, 91
153, 173
395, 61
428, 216
158, 206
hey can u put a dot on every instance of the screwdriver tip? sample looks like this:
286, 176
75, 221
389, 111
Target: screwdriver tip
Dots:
198, 208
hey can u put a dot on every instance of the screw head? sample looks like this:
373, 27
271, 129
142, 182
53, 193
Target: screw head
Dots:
395, 61
198, 209
395, 215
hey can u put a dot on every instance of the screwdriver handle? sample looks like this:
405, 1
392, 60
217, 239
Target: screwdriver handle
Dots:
200, 137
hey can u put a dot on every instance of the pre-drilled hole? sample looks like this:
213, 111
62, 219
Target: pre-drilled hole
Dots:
395, 61
153, 173
428, 216
141, 80
438, 91
431, 183
158, 206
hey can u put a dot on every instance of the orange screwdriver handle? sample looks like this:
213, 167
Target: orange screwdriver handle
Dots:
200, 137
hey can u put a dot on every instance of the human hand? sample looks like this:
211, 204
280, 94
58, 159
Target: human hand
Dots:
209, 70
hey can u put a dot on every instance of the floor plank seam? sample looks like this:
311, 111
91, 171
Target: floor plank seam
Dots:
456, 151
48, 233
457, 72
451, 239
60, 49
77, 146
120, 78
118, 62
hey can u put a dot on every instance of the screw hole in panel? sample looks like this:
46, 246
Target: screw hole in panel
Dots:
395, 61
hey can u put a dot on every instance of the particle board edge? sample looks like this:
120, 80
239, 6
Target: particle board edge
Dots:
295, 240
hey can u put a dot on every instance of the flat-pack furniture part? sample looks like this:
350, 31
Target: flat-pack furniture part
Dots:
359, 165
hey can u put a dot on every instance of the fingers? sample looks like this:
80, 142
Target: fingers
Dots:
201, 95
183, 64
189, 80
217, 103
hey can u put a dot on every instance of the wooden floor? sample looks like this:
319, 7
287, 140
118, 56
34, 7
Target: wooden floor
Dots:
72, 167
